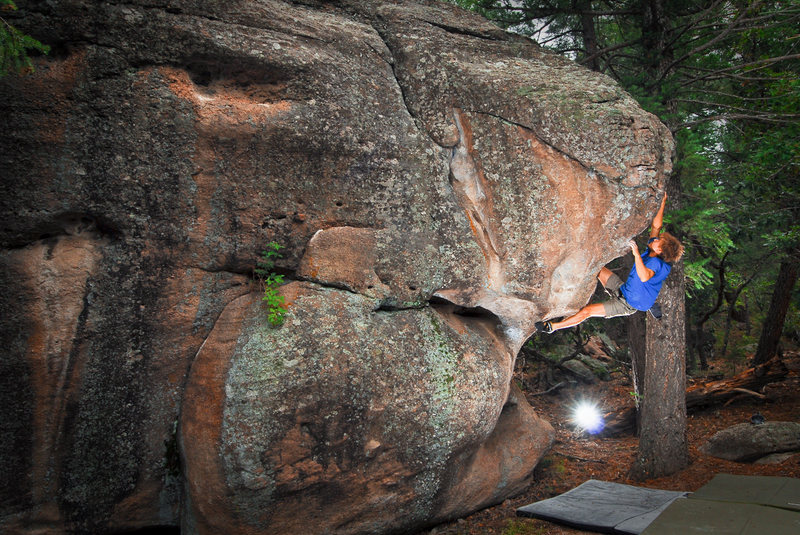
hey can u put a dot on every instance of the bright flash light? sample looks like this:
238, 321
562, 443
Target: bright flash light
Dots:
587, 416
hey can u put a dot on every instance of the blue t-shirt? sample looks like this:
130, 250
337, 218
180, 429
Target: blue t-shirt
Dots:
641, 295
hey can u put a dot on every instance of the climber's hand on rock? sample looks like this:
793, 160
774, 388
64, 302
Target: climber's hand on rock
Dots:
634, 247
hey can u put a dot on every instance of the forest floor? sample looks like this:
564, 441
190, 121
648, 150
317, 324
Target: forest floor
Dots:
575, 458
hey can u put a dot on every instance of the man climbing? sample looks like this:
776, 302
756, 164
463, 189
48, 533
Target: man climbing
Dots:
644, 282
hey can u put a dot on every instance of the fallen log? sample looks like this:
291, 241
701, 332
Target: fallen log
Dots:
753, 379
745, 391
705, 394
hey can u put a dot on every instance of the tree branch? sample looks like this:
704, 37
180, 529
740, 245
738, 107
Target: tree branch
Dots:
729, 71
611, 49
730, 117
720, 293
735, 108
733, 24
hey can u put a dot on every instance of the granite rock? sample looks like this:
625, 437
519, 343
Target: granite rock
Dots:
438, 186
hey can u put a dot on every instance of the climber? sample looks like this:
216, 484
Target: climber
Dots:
644, 282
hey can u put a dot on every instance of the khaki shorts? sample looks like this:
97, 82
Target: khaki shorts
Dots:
617, 305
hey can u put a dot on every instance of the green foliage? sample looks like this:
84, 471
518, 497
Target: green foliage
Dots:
742, 347
697, 274
15, 45
551, 464
271, 281
792, 326
516, 526
266, 263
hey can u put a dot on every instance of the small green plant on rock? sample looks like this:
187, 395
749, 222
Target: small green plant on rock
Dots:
271, 282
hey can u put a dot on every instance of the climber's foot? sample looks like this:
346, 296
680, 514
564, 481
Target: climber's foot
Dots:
655, 310
544, 326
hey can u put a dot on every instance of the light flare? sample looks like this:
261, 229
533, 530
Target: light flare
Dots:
587, 416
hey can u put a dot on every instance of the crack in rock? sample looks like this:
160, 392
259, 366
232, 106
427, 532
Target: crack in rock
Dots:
544, 141
393, 65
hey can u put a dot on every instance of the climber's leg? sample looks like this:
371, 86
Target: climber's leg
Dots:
617, 306
603, 276
595, 310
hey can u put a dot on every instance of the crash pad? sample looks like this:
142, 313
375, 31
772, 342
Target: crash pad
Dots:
740, 505
728, 504
604, 506
723, 518
783, 492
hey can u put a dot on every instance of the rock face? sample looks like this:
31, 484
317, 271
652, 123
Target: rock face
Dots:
438, 185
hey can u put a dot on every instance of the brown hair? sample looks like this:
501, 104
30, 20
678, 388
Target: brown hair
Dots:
671, 248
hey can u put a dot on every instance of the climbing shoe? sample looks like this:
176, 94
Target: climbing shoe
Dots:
544, 326
655, 310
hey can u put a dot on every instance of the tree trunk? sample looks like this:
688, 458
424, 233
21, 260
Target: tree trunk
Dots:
773, 324
661, 388
702, 355
589, 37
656, 41
663, 445
747, 315
725, 337
637, 343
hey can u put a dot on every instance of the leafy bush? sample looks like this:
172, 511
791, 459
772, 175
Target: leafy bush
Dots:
271, 281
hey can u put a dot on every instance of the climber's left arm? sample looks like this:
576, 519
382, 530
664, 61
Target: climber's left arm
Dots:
643, 272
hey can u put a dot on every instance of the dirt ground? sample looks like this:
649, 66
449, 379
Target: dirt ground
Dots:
575, 458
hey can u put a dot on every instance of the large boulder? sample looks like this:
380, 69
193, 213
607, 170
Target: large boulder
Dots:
438, 186
749, 442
